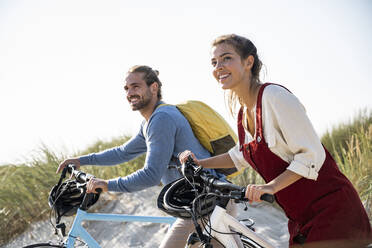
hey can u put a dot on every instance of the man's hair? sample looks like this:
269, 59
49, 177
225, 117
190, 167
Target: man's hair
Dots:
149, 75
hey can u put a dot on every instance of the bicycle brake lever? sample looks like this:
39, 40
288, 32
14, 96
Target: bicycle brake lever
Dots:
62, 226
81, 185
198, 170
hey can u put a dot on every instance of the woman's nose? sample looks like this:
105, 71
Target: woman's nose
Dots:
219, 65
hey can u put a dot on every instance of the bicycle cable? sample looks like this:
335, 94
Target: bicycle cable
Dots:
205, 220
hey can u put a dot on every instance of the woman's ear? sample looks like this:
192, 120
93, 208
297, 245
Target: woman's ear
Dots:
249, 62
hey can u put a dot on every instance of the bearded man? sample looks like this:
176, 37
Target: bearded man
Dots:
163, 134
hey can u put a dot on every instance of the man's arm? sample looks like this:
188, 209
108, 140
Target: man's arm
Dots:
160, 142
117, 155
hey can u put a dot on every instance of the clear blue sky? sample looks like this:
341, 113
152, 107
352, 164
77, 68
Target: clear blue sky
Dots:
62, 63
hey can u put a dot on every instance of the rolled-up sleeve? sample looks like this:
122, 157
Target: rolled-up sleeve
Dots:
237, 157
299, 134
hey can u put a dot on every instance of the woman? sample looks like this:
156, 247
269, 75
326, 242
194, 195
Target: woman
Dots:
277, 139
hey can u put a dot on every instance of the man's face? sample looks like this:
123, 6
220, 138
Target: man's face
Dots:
138, 93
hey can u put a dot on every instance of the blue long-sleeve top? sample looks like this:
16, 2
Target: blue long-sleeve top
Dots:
163, 137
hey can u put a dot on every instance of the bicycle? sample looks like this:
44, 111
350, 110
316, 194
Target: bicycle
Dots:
82, 203
208, 198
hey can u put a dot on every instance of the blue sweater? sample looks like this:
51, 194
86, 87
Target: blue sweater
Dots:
163, 137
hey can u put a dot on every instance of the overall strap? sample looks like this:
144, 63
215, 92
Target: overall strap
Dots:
241, 131
259, 127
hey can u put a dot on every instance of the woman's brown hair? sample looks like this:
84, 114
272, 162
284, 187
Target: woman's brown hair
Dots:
244, 47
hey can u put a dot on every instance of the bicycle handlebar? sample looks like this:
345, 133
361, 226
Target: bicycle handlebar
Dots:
80, 176
234, 191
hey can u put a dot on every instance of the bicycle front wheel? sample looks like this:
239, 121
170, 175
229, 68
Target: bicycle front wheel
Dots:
44, 245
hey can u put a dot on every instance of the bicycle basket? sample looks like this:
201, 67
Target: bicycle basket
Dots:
67, 197
177, 198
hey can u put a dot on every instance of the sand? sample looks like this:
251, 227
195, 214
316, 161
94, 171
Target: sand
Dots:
270, 222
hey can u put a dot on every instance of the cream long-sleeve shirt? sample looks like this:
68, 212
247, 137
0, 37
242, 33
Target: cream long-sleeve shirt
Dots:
288, 133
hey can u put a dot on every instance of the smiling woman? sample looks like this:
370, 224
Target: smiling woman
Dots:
277, 139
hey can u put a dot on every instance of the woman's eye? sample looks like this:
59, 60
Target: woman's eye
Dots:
214, 63
226, 58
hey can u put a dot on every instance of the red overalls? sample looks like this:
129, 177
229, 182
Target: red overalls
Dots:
326, 209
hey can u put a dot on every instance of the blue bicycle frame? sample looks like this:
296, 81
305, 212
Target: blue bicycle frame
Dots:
77, 230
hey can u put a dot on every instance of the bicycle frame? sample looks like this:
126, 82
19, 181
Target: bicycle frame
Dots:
222, 222
77, 230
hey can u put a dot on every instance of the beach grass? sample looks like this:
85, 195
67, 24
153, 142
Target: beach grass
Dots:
25, 187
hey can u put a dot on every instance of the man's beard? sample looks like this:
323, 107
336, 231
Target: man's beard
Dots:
143, 101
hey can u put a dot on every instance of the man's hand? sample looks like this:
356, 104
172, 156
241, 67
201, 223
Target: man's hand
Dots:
74, 161
95, 183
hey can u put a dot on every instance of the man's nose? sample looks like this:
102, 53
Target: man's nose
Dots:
130, 92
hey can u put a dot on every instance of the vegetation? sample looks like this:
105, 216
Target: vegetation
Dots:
25, 187
351, 146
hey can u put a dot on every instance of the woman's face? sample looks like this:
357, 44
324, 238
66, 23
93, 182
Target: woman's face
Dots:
228, 68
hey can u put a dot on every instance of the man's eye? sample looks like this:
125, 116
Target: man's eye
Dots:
214, 63
226, 58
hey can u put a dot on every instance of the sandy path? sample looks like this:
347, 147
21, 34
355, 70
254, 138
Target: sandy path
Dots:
270, 222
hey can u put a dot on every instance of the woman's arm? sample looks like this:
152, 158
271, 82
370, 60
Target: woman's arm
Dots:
284, 180
254, 191
220, 161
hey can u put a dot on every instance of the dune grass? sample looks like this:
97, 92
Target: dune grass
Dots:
25, 187
351, 146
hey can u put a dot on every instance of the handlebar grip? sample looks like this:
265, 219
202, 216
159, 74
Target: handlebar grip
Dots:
267, 197
71, 167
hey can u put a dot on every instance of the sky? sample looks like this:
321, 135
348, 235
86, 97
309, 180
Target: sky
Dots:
62, 63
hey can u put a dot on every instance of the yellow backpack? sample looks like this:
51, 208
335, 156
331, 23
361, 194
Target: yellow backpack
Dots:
210, 128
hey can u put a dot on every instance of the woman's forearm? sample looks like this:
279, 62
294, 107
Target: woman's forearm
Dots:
219, 161
284, 180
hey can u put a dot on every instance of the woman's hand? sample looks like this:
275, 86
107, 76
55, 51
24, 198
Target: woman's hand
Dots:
255, 191
185, 154
74, 161
95, 183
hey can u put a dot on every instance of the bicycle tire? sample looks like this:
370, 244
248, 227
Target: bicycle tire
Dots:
44, 245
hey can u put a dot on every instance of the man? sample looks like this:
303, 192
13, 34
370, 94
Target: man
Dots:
163, 134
